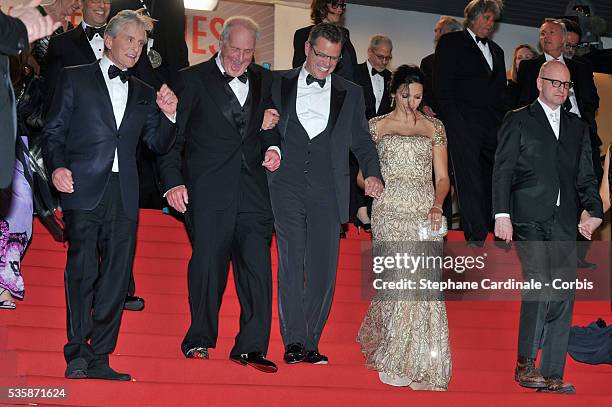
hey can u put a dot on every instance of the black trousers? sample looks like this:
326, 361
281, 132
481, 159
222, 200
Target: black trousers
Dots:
547, 252
472, 154
307, 233
241, 232
100, 256
358, 198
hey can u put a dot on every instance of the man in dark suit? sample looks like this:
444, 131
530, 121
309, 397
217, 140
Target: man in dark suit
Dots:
543, 176
97, 117
24, 25
469, 83
322, 119
374, 78
216, 173
167, 40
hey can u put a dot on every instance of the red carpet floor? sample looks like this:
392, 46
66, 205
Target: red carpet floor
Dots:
483, 343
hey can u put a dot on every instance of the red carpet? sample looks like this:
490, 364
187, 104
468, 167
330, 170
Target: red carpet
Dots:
483, 343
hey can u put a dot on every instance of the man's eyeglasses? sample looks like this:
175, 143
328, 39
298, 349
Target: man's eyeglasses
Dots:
557, 84
335, 4
101, 1
383, 57
572, 46
325, 56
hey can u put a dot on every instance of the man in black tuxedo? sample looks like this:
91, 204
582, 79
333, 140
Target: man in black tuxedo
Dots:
216, 174
469, 83
543, 176
374, 78
321, 119
24, 25
445, 24
167, 38
583, 99
98, 115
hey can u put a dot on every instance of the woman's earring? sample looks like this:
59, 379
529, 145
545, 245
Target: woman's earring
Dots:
392, 101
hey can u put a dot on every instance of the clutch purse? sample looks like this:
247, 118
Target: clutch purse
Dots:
426, 233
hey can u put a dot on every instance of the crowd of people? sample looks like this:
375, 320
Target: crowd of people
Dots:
244, 152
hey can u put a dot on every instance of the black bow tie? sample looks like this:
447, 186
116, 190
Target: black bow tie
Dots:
484, 40
242, 78
310, 79
91, 31
375, 72
113, 72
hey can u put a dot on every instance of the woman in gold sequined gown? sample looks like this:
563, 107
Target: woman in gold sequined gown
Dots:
404, 335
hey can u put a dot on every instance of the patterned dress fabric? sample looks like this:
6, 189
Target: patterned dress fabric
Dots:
404, 335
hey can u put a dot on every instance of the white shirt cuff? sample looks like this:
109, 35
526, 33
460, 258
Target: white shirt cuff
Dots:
502, 215
171, 118
275, 148
166, 193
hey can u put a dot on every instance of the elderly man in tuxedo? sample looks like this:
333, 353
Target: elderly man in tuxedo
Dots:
322, 118
22, 26
98, 115
543, 176
469, 83
216, 174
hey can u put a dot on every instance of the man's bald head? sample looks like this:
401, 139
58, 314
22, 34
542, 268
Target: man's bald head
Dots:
553, 83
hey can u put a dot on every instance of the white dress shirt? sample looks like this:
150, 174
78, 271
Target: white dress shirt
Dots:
484, 48
554, 119
378, 85
571, 94
312, 104
118, 92
96, 43
241, 90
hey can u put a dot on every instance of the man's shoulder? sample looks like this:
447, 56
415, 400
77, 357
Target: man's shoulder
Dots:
345, 84
66, 36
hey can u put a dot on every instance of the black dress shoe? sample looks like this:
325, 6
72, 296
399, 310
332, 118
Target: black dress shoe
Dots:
133, 303
76, 369
256, 360
197, 353
294, 353
315, 358
583, 264
105, 372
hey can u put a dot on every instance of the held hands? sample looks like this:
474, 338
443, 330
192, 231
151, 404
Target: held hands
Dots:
167, 100
62, 180
270, 119
428, 111
37, 25
271, 160
178, 198
503, 229
435, 217
373, 187
588, 224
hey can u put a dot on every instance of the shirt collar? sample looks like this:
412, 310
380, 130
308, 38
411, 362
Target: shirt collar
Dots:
369, 67
550, 58
106, 63
473, 36
220, 66
85, 25
548, 110
302, 79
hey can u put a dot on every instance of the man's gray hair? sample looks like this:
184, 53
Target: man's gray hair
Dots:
452, 23
115, 25
478, 7
380, 39
242, 21
557, 22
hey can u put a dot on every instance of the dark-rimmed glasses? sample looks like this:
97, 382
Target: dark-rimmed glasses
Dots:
557, 83
325, 56
336, 4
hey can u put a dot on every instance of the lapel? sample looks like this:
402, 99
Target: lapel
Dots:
563, 125
106, 100
474, 47
82, 44
538, 113
131, 100
369, 90
215, 84
337, 100
254, 94
384, 102
288, 96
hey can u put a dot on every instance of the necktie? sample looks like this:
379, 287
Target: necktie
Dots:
242, 78
91, 31
554, 117
375, 72
113, 72
484, 40
310, 79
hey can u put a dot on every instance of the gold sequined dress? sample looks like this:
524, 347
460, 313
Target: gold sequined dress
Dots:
404, 335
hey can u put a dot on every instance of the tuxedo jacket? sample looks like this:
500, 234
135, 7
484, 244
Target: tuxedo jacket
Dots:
584, 88
427, 66
465, 87
168, 34
532, 166
13, 40
362, 77
81, 134
209, 152
349, 131
345, 68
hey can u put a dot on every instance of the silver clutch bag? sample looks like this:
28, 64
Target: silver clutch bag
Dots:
426, 233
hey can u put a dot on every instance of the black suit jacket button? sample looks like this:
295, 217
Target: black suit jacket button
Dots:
305, 171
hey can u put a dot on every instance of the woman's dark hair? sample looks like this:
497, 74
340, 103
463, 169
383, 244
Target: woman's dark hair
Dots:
319, 10
405, 75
